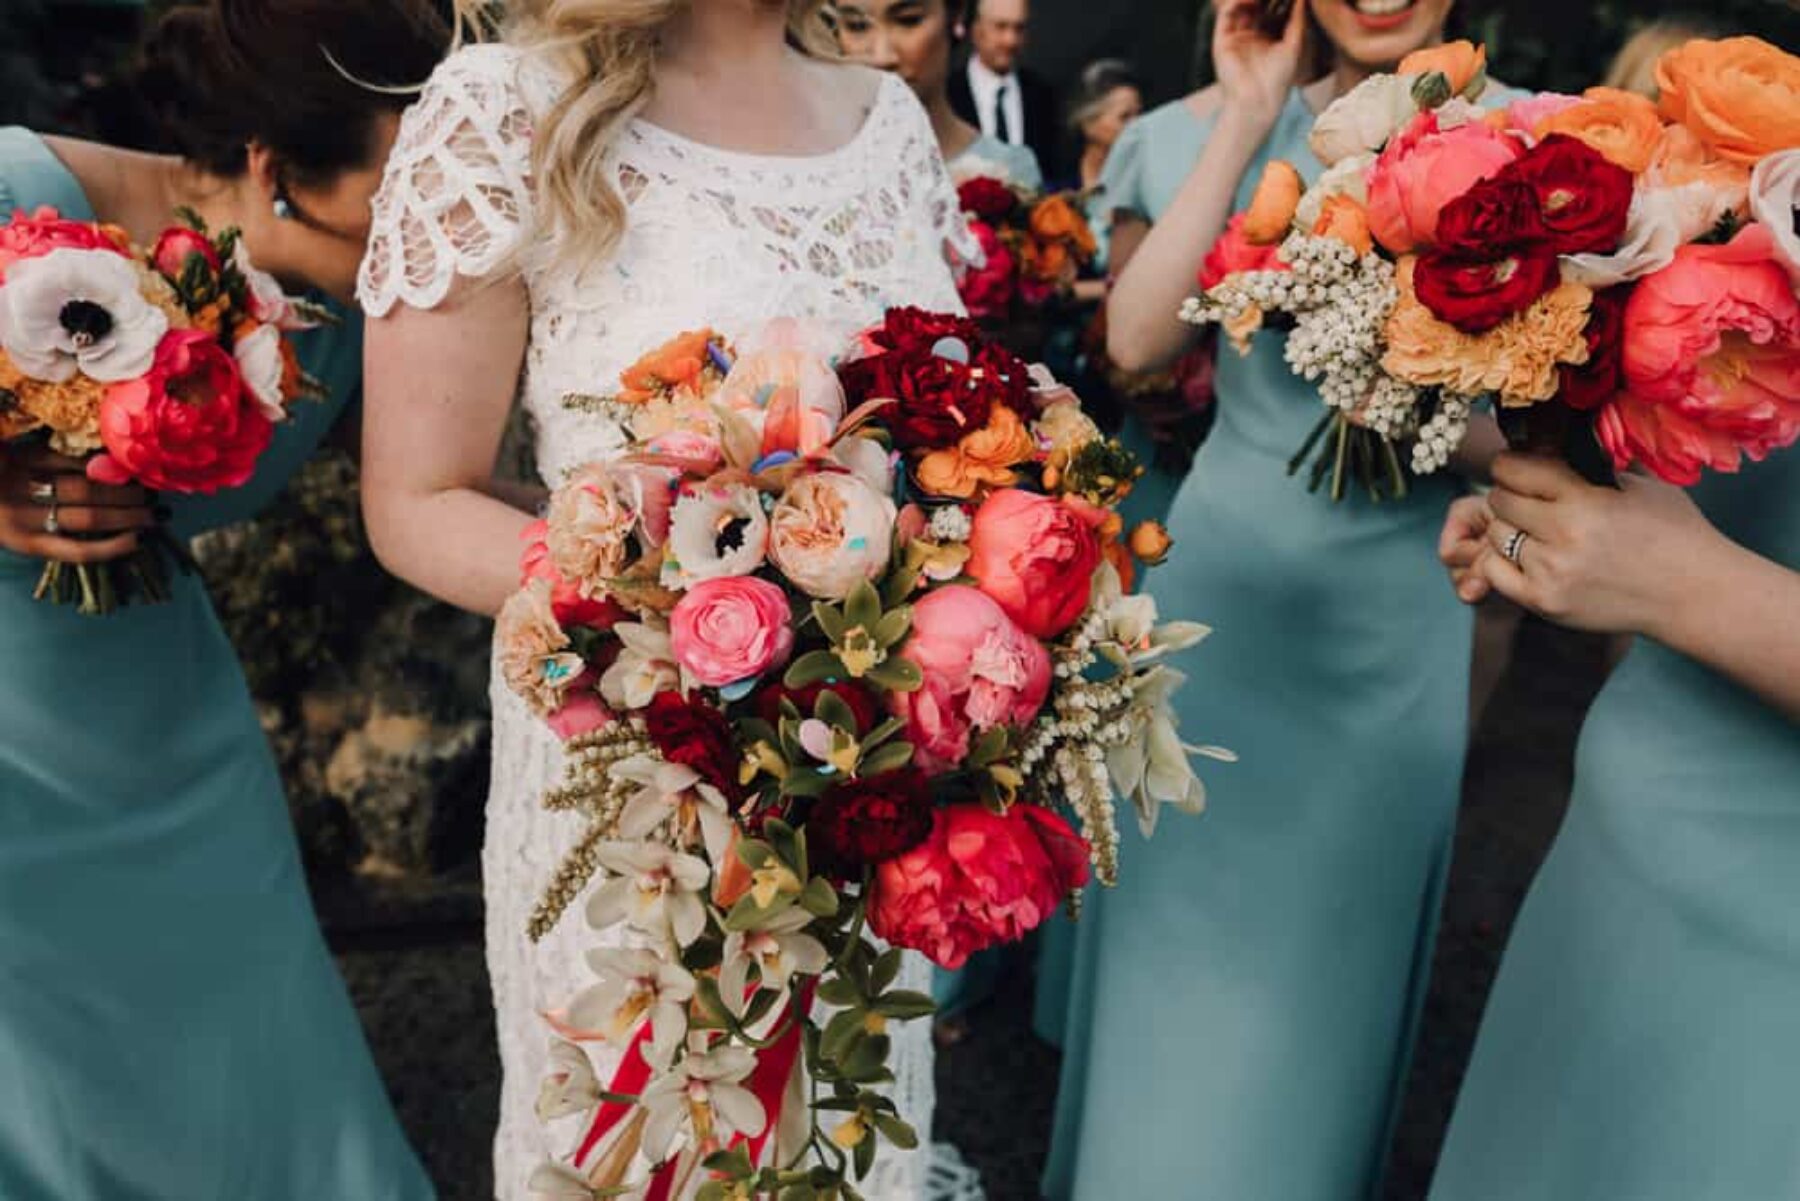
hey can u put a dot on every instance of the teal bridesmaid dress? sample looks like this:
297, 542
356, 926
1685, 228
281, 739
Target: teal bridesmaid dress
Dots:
1643, 1038
172, 1027
1243, 1003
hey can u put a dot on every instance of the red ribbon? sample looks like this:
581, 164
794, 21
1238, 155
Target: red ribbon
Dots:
629, 1080
775, 1066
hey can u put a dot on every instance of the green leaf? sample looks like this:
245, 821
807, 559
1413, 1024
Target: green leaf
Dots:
864, 1157
885, 971
782, 837
755, 854
747, 915
900, 584
897, 675
835, 711
819, 898
883, 732
759, 1007
808, 784
893, 627
892, 757
839, 992
865, 1060
896, 1132
844, 1036
989, 747
735, 1162
798, 1192
831, 622
863, 608
905, 1006
706, 990
815, 667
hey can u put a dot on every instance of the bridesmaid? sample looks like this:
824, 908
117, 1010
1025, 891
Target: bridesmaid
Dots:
171, 1024
1643, 1038
1244, 1002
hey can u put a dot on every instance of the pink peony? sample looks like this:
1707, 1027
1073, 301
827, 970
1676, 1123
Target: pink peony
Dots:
1424, 168
1712, 362
982, 878
1234, 252
732, 628
1037, 556
988, 290
1523, 116
187, 425
980, 671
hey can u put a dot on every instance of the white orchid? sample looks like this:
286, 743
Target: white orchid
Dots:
704, 1099
78, 311
646, 666
1775, 201
1364, 118
554, 1182
1661, 221
653, 889
260, 362
635, 985
1152, 766
670, 790
778, 951
1131, 634
719, 530
269, 302
571, 1087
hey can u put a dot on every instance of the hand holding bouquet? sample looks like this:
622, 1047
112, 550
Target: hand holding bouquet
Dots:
832, 648
164, 368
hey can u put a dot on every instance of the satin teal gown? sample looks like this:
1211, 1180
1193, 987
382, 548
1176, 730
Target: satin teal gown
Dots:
1643, 1038
1243, 1003
172, 1027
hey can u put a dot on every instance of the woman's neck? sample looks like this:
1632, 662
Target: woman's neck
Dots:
712, 37
1093, 162
954, 135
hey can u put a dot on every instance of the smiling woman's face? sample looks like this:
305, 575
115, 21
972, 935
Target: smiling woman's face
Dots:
1376, 34
909, 37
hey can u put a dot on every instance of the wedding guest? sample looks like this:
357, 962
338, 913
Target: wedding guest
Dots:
996, 92
172, 1026
1110, 98
1244, 1001
915, 39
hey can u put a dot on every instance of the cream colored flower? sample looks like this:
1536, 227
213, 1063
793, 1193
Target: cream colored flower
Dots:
1775, 201
571, 1087
534, 653
1152, 766
1364, 118
670, 792
830, 532
1661, 221
1346, 177
704, 1101
259, 361
645, 666
779, 951
75, 310
635, 986
591, 521
554, 1182
869, 461
653, 889
716, 530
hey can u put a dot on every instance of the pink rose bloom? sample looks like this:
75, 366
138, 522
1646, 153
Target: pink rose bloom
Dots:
981, 879
187, 425
566, 601
1423, 169
700, 455
732, 628
1712, 362
980, 671
1233, 253
1037, 556
179, 244
987, 291
1523, 116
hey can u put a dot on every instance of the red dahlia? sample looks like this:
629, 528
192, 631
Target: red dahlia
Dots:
694, 735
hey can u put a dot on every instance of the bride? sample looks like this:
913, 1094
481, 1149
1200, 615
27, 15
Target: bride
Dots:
617, 172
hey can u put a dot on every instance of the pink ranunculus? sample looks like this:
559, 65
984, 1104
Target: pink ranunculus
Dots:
981, 879
1423, 169
981, 670
1234, 252
987, 291
1036, 556
1523, 116
35, 234
176, 246
187, 425
732, 628
566, 601
1711, 360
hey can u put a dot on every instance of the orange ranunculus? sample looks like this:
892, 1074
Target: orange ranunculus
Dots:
1057, 219
1623, 126
1151, 542
1272, 208
1741, 96
983, 459
1347, 221
1682, 158
1463, 63
675, 364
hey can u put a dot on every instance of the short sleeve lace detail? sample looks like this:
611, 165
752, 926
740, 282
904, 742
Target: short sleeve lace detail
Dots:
455, 198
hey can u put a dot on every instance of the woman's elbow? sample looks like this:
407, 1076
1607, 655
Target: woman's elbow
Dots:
1130, 347
384, 523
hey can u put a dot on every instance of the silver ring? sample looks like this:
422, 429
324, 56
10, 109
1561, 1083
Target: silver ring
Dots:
52, 522
1515, 548
43, 492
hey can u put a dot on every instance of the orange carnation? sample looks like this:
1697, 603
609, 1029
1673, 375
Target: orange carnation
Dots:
1622, 126
1463, 63
677, 364
70, 410
1272, 208
1347, 221
983, 459
1740, 96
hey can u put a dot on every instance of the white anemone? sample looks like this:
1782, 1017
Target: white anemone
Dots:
78, 310
716, 531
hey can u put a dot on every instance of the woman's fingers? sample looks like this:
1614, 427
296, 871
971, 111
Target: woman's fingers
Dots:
1537, 517
41, 488
77, 553
1534, 475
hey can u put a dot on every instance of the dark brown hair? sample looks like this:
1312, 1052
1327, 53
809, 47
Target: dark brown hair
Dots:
305, 78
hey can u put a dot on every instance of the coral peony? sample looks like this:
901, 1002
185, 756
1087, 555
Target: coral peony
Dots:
1036, 556
980, 879
1712, 362
1740, 96
1235, 252
1423, 169
187, 425
34, 234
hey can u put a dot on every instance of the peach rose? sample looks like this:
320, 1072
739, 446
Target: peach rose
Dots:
1712, 362
535, 656
731, 629
1740, 96
1464, 64
1682, 158
831, 531
1424, 168
591, 519
1622, 126
1272, 208
982, 460
1347, 221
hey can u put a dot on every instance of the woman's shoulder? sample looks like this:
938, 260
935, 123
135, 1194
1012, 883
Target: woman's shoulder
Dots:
854, 84
1189, 114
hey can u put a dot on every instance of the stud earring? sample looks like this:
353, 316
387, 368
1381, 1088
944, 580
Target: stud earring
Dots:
284, 209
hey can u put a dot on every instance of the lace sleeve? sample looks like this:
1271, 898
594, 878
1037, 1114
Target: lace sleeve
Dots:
455, 197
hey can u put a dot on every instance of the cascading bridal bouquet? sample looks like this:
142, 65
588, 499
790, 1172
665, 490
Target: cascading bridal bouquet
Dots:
831, 648
1612, 273
167, 368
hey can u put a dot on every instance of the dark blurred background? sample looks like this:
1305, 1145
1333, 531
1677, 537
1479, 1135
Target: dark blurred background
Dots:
375, 698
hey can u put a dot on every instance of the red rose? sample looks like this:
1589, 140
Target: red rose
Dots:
981, 878
1036, 556
1598, 380
30, 236
767, 702
177, 246
1494, 216
915, 331
1583, 197
1234, 252
187, 425
987, 199
863, 823
942, 398
987, 292
694, 735
1476, 294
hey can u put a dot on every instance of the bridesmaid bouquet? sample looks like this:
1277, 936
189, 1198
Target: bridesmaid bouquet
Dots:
830, 647
1034, 249
166, 368
1617, 275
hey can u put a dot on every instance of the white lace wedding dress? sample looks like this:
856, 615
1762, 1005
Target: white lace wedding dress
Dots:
714, 238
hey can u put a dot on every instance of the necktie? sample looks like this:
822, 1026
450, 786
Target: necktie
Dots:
1002, 127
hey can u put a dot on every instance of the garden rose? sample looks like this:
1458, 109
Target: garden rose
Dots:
1740, 96
1775, 201
1660, 220
1363, 119
533, 653
792, 396
1593, 383
1622, 126
731, 629
177, 246
987, 199
1036, 556
1524, 115
1475, 295
830, 532
186, 425
1584, 201
982, 460
1345, 219
1234, 252
35, 234
594, 517
566, 600
980, 879
1712, 362
864, 822
1423, 169
980, 670
1272, 206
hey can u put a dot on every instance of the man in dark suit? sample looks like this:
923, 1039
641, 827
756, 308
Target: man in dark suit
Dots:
996, 94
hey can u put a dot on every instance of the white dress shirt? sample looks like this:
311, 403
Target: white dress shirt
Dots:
984, 85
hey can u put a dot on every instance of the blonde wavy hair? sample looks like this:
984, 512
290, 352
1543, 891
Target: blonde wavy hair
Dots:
608, 50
